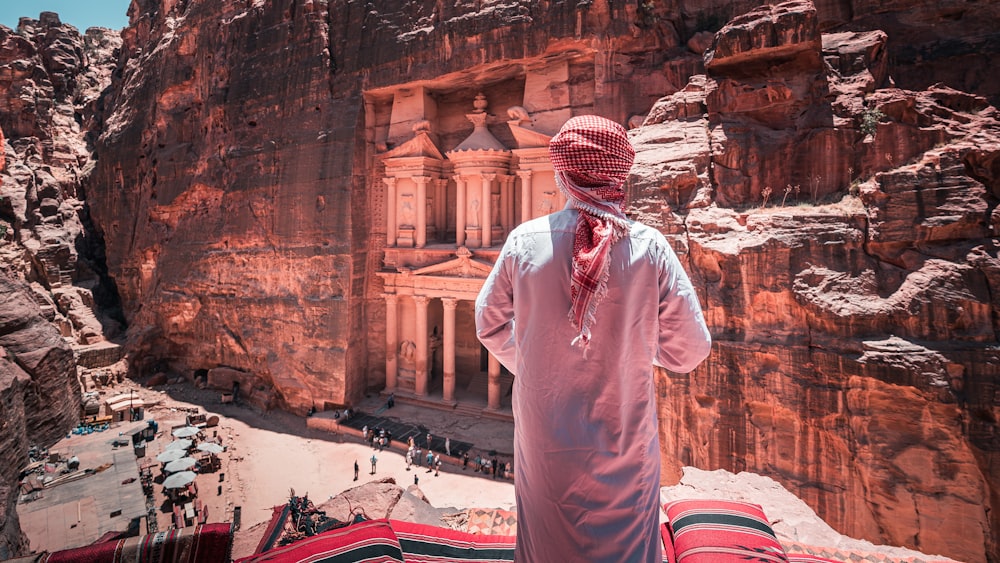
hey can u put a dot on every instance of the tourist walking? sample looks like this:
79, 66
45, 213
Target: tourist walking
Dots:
579, 306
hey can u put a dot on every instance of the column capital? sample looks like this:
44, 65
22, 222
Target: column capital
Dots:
421, 299
391, 297
449, 302
390, 181
489, 176
421, 180
524, 174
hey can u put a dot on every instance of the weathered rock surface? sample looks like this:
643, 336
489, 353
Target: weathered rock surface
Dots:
51, 78
39, 394
849, 274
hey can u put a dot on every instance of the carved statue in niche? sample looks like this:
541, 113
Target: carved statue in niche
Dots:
407, 357
407, 216
474, 219
430, 213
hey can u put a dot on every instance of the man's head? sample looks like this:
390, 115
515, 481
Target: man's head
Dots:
593, 152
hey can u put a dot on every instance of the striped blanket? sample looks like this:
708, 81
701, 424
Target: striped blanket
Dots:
198, 544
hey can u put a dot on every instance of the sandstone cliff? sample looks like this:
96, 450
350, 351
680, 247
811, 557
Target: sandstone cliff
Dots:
842, 237
853, 305
51, 78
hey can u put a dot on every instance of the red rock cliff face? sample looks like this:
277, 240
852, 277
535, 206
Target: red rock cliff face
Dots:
39, 395
849, 268
50, 80
840, 231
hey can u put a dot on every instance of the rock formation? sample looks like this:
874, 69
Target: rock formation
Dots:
842, 238
39, 394
50, 79
839, 228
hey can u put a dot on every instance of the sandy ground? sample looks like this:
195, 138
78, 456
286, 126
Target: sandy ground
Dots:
270, 454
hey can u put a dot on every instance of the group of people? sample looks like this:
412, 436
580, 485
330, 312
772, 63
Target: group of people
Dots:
489, 466
415, 454
378, 439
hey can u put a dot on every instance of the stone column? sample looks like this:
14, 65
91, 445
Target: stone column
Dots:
486, 210
493, 389
525, 194
507, 203
460, 184
390, 211
421, 341
391, 341
450, 305
421, 234
440, 207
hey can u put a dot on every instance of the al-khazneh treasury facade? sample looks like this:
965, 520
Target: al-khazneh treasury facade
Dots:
447, 212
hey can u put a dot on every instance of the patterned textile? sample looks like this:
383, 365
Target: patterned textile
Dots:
806, 558
592, 157
703, 531
431, 544
370, 542
206, 543
491, 522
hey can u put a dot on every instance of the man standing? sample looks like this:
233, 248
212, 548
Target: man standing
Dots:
374, 460
356, 468
579, 306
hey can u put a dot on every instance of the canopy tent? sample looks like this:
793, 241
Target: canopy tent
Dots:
170, 455
182, 464
182, 444
186, 432
211, 447
178, 480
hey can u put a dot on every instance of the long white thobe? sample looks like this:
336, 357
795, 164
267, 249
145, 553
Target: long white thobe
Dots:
586, 449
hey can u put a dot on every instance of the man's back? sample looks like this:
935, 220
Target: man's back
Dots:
586, 447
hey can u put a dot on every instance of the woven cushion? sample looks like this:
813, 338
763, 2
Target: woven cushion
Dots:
706, 531
372, 542
430, 544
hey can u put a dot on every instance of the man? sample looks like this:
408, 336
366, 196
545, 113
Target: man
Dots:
579, 306
374, 461
356, 468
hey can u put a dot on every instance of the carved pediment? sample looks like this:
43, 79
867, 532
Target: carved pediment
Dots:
421, 145
462, 266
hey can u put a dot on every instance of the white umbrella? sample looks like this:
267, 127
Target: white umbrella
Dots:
179, 444
170, 455
178, 480
182, 464
186, 432
211, 447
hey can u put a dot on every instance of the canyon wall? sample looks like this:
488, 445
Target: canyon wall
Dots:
843, 241
51, 273
840, 230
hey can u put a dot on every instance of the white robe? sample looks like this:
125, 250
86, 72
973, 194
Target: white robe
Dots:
586, 448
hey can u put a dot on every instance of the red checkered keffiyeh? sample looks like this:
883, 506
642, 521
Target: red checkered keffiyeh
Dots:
592, 156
